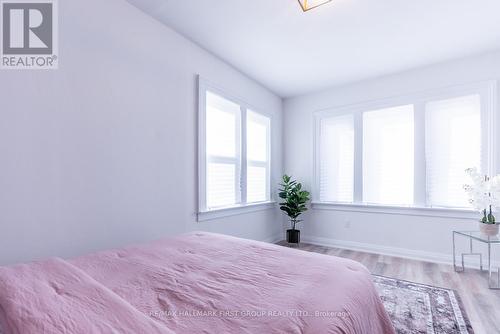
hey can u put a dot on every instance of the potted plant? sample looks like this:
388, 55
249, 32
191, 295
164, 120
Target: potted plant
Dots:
294, 204
484, 194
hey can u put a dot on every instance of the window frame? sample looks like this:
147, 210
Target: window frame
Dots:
204, 213
488, 94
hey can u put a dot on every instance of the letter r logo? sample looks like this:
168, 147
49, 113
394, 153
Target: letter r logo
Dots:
27, 28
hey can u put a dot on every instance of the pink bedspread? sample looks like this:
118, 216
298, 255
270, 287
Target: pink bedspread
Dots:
207, 283
55, 297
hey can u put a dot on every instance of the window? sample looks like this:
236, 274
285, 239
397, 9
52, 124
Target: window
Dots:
452, 144
223, 151
388, 153
406, 152
337, 159
234, 153
258, 161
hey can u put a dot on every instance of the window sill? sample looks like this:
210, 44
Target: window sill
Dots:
234, 210
399, 210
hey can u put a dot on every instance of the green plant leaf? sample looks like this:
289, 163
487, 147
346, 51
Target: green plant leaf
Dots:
294, 198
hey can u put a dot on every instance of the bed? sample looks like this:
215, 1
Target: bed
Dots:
195, 283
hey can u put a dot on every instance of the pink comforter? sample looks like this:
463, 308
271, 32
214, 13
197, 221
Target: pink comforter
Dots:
207, 283
55, 297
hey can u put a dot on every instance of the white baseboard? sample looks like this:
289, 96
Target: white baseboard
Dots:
397, 252
274, 239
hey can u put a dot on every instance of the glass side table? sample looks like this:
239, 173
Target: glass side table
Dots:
478, 236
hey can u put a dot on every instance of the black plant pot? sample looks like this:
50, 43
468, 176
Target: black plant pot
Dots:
293, 236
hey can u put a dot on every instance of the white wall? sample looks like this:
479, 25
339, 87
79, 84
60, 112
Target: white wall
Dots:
413, 236
102, 152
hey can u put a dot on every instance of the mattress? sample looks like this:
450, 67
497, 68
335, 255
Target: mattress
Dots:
198, 283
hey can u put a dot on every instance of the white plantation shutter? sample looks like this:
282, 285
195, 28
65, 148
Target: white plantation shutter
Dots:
221, 184
337, 159
258, 157
234, 154
223, 142
407, 151
453, 144
388, 156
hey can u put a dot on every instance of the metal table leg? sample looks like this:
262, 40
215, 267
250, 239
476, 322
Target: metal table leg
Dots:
454, 257
463, 255
490, 284
471, 253
491, 271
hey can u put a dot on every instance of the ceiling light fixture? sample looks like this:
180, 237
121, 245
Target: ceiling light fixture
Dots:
310, 4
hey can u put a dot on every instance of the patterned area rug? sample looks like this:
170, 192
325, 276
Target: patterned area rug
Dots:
417, 308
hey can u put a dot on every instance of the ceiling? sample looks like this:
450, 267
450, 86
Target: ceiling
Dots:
293, 53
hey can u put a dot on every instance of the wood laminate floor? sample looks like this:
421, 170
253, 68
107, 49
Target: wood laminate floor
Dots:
482, 304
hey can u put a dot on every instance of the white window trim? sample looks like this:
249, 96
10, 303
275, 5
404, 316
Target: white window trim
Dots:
234, 210
204, 213
488, 92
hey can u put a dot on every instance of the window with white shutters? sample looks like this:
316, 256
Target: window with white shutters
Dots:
388, 156
337, 159
453, 144
407, 152
234, 153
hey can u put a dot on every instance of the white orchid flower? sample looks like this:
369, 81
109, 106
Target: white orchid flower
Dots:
484, 192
